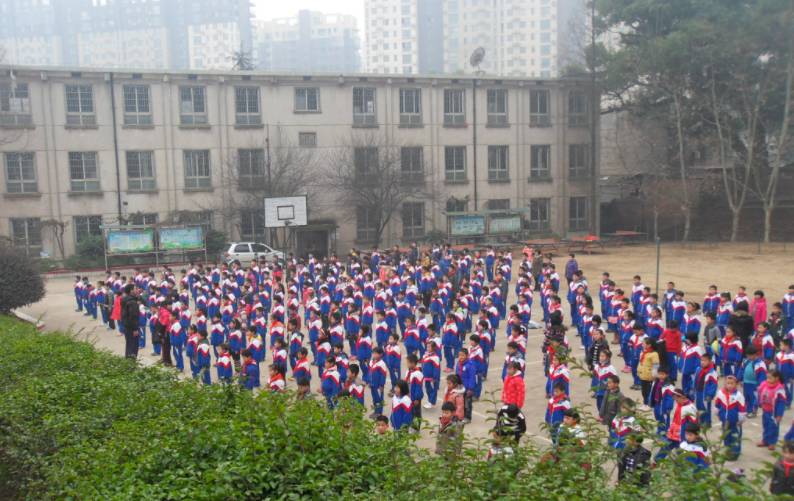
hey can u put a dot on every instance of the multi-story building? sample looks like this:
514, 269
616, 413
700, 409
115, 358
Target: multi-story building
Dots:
154, 34
309, 42
98, 147
535, 38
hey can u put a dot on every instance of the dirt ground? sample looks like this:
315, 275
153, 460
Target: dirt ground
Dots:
692, 267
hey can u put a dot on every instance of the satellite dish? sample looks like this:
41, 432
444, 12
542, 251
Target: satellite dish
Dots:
476, 57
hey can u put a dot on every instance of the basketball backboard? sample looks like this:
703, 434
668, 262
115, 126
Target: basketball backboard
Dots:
285, 211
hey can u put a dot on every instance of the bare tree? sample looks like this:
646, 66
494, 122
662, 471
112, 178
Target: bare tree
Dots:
369, 179
58, 229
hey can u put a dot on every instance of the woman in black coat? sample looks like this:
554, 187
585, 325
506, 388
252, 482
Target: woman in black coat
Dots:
742, 324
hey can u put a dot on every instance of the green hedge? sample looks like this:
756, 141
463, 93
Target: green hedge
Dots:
82, 424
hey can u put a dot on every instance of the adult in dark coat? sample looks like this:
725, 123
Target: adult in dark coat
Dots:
130, 307
742, 324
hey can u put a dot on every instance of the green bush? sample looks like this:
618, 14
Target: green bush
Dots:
216, 242
20, 282
76, 423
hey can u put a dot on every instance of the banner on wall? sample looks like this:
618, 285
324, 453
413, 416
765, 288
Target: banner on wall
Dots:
499, 225
467, 226
189, 238
130, 241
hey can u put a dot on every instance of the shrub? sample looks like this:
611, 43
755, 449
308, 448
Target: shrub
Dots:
216, 241
76, 423
20, 282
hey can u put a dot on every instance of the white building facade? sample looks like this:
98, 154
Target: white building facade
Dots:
90, 148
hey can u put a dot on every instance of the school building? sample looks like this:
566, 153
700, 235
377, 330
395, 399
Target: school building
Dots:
91, 148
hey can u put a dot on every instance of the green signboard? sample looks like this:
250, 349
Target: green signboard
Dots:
510, 224
130, 241
461, 226
181, 238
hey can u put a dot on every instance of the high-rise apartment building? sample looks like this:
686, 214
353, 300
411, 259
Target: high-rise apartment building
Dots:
309, 42
536, 38
151, 34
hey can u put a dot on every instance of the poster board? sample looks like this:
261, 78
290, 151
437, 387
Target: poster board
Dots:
181, 238
461, 226
502, 225
130, 241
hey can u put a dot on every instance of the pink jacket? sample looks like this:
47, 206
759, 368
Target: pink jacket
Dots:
758, 311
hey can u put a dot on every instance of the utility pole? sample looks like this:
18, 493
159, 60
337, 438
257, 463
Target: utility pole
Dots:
595, 109
474, 137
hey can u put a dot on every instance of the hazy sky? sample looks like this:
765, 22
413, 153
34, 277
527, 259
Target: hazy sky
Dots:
268, 9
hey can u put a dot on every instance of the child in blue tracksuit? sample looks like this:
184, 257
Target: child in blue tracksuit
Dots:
377, 379
784, 361
249, 373
450, 340
393, 358
731, 351
331, 384
772, 401
466, 369
431, 371
415, 379
752, 374
689, 362
731, 412
177, 336
203, 358
661, 400
705, 388
402, 409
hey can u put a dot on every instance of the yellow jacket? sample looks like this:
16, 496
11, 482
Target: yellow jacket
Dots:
646, 364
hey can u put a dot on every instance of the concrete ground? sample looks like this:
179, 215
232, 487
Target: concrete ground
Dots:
692, 267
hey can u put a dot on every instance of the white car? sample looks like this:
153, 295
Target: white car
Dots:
245, 252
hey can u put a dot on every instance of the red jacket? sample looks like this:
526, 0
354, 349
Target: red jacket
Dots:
513, 390
672, 340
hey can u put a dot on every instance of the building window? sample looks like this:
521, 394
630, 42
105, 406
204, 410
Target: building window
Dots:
143, 219
197, 169
246, 106
455, 164
578, 166
577, 109
410, 107
201, 218
137, 109
364, 113
365, 160
252, 225
457, 204
500, 204
577, 213
83, 172
539, 113
140, 171
26, 234
413, 216
539, 214
20, 173
307, 99
86, 227
411, 164
307, 139
192, 105
540, 162
366, 225
454, 112
497, 107
15, 104
80, 105
251, 168
498, 169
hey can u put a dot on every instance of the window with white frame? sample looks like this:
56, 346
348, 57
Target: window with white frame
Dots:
539, 214
454, 111
80, 105
15, 104
83, 171
455, 164
411, 164
246, 106
498, 168
201, 218
577, 213
26, 234
410, 107
86, 227
539, 108
578, 166
197, 169
137, 105
307, 139
413, 216
192, 105
501, 204
20, 173
457, 204
364, 111
497, 107
540, 161
577, 109
365, 160
307, 99
251, 168
143, 219
140, 171
366, 225
252, 225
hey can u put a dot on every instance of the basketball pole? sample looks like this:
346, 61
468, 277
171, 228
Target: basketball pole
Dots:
286, 243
